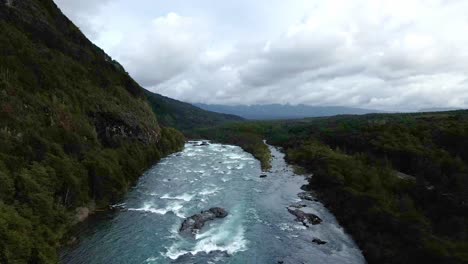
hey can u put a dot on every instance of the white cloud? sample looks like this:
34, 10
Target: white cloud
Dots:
161, 50
396, 54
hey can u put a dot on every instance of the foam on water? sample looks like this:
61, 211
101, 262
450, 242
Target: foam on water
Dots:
185, 197
205, 192
174, 207
227, 237
258, 229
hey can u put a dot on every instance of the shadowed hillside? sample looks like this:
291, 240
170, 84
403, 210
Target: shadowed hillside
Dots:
76, 130
278, 111
185, 116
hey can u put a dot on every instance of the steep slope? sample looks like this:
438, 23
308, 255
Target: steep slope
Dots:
278, 111
75, 129
185, 116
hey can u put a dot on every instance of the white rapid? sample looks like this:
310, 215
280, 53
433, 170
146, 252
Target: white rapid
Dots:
258, 229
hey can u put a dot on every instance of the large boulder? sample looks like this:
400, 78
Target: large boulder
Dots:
318, 241
194, 223
306, 219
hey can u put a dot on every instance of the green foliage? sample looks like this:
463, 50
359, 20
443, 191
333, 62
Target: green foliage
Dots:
184, 116
398, 183
75, 130
247, 136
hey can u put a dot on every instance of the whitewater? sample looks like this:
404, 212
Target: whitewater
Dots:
258, 229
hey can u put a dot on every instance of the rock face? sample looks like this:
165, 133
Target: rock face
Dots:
193, 224
113, 129
306, 219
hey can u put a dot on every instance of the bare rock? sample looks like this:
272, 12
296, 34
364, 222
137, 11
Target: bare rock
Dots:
194, 223
318, 241
306, 219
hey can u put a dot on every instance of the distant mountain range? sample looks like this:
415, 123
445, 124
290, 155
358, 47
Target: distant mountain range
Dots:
439, 109
278, 111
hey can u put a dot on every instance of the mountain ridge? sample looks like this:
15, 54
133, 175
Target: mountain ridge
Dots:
280, 111
185, 116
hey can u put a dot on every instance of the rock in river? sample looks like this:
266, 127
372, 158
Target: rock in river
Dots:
307, 196
318, 241
306, 218
196, 222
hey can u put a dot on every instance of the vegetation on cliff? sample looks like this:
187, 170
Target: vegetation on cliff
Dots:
75, 129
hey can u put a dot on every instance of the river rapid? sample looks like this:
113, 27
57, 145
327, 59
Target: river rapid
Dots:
258, 229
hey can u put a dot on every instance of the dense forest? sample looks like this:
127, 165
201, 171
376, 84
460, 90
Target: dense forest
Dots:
75, 130
398, 183
249, 136
184, 116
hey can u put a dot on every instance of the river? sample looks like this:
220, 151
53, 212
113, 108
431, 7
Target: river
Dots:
258, 229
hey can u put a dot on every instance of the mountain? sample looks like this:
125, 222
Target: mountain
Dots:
438, 109
185, 116
76, 130
278, 111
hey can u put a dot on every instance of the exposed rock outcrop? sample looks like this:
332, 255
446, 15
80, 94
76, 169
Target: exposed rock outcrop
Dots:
307, 196
112, 129
193, 224
318, 241
204, 143
306, 219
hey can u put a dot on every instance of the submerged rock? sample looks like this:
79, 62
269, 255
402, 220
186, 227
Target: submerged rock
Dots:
201, 256
298, 205
196, 222
305, 218
318, 241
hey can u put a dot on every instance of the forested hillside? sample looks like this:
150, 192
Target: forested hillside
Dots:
185, 116
75, 130
398, 183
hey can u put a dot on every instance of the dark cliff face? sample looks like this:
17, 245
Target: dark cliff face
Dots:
113, 130
75, 129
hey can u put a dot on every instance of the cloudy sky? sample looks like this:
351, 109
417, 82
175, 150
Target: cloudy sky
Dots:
389, 55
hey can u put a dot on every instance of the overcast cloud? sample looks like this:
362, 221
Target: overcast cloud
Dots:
390, 55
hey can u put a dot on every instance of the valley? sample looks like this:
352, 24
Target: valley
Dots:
257, 229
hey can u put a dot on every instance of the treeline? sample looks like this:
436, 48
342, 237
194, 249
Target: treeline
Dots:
246, 135
42, 183
398, 183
